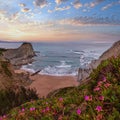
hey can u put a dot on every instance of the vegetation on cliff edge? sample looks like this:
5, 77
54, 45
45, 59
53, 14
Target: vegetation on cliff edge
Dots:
99, 99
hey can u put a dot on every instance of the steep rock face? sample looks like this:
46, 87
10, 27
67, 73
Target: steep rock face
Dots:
20, 56
113, 51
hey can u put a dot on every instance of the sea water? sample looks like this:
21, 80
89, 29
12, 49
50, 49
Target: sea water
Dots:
62, 58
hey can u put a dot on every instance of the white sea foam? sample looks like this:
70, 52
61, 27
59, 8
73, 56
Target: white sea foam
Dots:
59, 70
61, 60
24, 67
63, 65
78, 52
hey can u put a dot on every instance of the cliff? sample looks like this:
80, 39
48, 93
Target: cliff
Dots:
20, 56
113, 51
8, 77
96, 99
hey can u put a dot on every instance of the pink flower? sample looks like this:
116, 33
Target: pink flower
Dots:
60, 99
23, 109
96, 89
46, 103
101, 98
107, 85
4, 116
78, 111
98, 108
99, 117
88, 98
32, 109
47, 109
43, 111
1, 118
104, 79
100, 83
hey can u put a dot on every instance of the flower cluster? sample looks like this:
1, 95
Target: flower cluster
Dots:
78, 111
32, 109
88, 98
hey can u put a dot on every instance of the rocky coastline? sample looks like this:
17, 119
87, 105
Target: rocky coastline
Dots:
20, 56
112, 51
12, 59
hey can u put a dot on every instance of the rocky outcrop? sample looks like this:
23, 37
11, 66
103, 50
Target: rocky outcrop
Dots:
83, 73
20, 56
113, 51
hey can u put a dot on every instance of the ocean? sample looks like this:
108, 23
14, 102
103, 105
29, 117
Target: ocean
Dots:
62, 58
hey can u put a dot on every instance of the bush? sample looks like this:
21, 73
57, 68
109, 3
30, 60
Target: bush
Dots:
13, 97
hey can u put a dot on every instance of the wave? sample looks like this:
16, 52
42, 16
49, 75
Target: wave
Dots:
24, 67
63, 69
63, 65
59, 70
79, 52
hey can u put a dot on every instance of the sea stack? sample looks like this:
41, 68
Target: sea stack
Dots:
20, 56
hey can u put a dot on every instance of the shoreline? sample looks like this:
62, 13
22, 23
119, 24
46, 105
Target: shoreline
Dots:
44, 84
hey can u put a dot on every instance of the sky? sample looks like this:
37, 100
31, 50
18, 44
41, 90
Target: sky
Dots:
60, 20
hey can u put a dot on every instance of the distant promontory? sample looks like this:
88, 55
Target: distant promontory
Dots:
20, 56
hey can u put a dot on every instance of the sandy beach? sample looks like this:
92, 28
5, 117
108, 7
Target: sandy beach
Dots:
44, 84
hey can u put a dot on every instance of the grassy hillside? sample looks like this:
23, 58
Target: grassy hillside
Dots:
13, 90
98, 99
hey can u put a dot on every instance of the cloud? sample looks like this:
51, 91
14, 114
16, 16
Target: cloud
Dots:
2, 11
62, 8
22, 4
77, 4
110, 5
82, 21
50, 11
40, 3
94, 3
25, 10
60, 1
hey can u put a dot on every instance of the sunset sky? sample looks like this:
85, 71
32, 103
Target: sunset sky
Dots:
59, 20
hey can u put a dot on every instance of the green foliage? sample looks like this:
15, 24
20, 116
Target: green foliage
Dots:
97, 100
14, 97
4, 65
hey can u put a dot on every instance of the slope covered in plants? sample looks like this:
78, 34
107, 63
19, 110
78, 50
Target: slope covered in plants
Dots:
96, 99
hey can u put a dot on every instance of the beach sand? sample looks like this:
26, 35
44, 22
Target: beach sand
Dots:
44, 84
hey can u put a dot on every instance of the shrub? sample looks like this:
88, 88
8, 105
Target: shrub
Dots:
4, 65
13, 97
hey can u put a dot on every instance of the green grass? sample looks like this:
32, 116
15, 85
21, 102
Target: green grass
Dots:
97, 100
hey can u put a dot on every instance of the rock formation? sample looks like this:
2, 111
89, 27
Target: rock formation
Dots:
20, 56
113, 51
